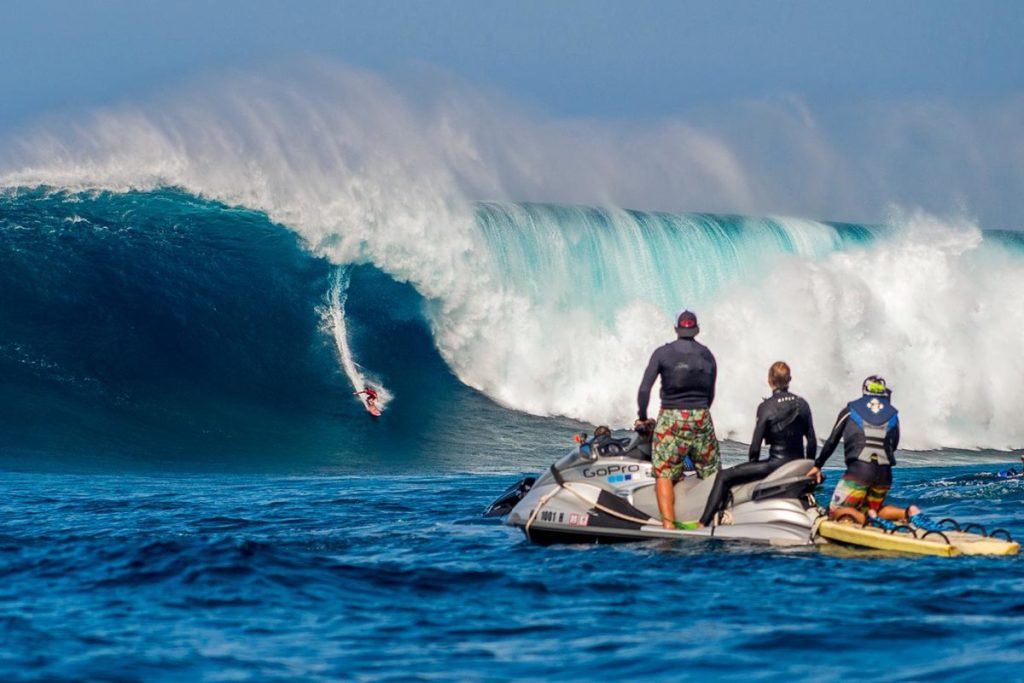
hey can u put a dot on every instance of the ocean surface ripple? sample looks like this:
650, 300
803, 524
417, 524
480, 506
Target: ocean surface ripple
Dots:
269, 577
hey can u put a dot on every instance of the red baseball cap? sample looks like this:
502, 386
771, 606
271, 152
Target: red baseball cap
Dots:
686, 323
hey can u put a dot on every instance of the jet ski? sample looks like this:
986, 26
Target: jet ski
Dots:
603, 491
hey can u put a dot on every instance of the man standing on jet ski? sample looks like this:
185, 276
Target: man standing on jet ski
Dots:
870, 430
684, 429
784, 422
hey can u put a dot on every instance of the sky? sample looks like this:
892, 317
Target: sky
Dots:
843, 65
589, 58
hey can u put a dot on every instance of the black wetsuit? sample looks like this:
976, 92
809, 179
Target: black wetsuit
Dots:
688, 371
869, 413
784, 422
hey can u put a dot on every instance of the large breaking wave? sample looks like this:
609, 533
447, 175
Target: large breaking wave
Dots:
544, 308
164, 322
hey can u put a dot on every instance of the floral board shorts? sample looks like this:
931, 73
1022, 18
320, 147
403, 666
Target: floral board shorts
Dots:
680, 434
852, 493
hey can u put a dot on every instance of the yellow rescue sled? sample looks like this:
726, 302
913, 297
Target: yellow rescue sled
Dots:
961, 541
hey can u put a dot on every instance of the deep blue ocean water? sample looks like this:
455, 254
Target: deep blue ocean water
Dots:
269, 577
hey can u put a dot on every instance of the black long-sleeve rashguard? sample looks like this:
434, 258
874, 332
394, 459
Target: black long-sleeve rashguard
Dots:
688, 372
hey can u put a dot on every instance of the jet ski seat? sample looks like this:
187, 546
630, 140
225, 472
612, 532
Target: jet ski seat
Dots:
792, 473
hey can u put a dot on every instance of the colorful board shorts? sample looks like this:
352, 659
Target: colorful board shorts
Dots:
853, 493
682, 433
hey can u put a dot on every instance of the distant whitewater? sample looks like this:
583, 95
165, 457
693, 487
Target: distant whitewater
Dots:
195, 225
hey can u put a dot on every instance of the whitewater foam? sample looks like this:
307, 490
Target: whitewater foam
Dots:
927, 307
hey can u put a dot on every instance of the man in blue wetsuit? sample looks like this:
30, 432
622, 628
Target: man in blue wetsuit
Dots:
1012, 473
870, 430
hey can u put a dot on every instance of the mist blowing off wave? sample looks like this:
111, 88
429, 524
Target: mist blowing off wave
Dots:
553, 310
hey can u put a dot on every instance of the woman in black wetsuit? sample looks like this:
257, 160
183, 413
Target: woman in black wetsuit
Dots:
784, 422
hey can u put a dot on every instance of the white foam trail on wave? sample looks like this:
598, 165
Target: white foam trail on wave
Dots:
365, 175
334, 319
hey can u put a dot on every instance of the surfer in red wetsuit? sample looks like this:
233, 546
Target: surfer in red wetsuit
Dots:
371, 396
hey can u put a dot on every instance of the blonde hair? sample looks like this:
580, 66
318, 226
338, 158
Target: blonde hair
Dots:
778, 375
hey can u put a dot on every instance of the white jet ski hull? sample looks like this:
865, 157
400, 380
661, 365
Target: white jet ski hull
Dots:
594, 497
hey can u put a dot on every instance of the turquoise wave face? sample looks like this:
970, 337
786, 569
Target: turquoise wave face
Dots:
601, 259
